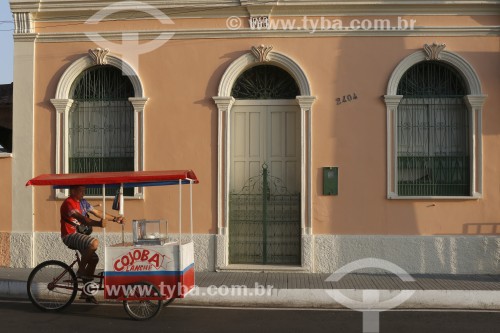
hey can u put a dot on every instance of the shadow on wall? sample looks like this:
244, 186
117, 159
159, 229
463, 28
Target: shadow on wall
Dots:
481, 229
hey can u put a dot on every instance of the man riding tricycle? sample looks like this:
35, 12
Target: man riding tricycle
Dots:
144, 274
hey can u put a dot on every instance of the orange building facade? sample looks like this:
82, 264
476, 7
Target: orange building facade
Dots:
321, 133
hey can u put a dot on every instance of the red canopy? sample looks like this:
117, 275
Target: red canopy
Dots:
128, 178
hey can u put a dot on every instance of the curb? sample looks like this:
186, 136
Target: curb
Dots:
316, 298
13, 289
321, 299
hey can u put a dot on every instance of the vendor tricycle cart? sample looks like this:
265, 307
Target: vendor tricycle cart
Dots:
145, 274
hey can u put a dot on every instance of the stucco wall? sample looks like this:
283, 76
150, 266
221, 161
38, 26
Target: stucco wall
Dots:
6, 190
181, 129
415, 254
48, 246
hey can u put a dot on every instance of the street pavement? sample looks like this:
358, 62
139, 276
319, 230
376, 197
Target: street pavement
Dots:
314, 291
23, 317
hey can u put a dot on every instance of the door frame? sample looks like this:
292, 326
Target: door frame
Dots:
225, 102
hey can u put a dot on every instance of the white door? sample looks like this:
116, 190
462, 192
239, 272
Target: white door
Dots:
267, 134
264, 220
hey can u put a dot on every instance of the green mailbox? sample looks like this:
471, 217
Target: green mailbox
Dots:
330, 180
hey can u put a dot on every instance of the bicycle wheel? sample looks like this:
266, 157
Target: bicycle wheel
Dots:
142, 309
52, 285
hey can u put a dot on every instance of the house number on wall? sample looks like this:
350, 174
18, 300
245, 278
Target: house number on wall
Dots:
346, 98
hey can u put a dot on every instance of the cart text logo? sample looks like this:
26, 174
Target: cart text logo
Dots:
139, 260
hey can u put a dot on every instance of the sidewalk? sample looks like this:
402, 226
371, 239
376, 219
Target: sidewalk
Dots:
307, 290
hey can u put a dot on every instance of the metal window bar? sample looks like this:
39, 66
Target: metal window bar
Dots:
432, 132
265, 82
101, 125
433, 153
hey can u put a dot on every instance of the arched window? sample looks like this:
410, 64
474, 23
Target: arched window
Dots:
265, 82
433, 148
101, 122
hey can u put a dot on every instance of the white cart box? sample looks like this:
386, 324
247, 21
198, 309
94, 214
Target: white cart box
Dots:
169, 267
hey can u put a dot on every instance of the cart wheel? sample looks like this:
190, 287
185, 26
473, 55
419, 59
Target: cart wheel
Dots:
52, 285
142, 309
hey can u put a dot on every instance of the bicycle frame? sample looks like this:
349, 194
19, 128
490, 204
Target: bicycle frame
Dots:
77, 260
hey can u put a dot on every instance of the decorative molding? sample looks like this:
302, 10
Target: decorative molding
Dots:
226, 8
185, 34
138, 103
248, 60
25, 37
475, 102
261, 52
99, 55
224, 103
62, 105
306, 102
23, 23
63, 90
459, 63
433, 50
392, 101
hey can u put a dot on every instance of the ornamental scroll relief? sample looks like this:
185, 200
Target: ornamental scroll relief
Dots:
99, 56
261, 52
433, 50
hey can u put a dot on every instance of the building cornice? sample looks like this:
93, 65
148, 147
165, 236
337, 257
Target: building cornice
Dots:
55, 9
249, 33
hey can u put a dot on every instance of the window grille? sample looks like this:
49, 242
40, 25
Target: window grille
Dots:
265, 82
101, 125
432, 132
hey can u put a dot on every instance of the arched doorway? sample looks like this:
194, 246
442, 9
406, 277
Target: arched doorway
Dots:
300, 104
264, 169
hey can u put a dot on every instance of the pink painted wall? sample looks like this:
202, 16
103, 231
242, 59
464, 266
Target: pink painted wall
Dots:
6, 188
181, 77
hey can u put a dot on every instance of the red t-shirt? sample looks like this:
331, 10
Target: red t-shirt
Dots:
68, 207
